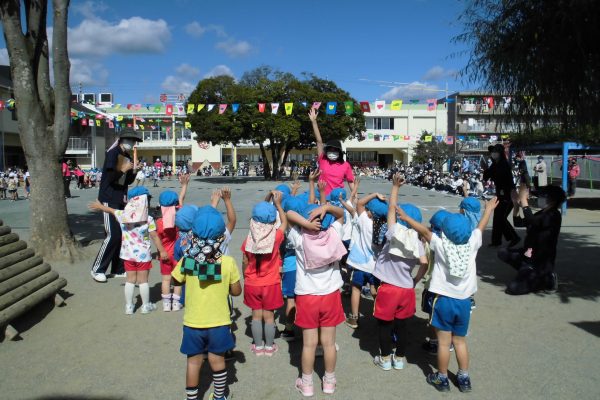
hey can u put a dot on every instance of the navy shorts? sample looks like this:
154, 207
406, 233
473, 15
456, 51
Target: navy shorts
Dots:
451, 315
427, 301
361, 278
215, 340
288, 284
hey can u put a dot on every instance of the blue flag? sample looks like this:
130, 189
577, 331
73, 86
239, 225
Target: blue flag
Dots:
331, 108
235, 107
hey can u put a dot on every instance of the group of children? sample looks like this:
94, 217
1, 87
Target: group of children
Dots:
293, 255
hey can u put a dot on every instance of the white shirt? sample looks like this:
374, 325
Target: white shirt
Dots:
348, 224
441, 280
360, 254
225, 245
318, 281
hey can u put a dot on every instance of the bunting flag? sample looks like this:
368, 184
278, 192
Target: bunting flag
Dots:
449, 140
396, 105
119, 118
168, 111
414, 101
110, 124
141, 127
129, 106
157, 109
493, 137
129, 125
504, 136
431, 104
274, 108
98, 122
428, 138
406, 137
117, 106
316, 104
304, 104
349, 107
288, 108
1, 105
380, 105
370, 136
386, 138
187, 125
210, 107
439, 138
90, 122
365, 106
200, 107
190, 108
84, 122
331, 108
461, 138
261, 107
489, 101
235, 107
180, 109
396, 137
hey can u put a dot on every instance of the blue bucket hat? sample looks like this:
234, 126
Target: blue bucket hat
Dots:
184, 218
378, 208
437, 220
168, 198
138, 191
334, 196
264, 212
285, 189
412, 211
472, 209
208, 223
325, 222
457, 228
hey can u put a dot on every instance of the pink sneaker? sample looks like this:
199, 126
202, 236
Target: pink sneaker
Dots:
269, 351
258, 350
307, 390
329, 385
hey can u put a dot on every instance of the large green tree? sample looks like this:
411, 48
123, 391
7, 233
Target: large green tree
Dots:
277, 134
543, 53
43, 113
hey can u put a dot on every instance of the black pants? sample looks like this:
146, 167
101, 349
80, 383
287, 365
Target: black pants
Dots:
529, 278
397, 327
500, 225
111, 246
67, 185
571, 187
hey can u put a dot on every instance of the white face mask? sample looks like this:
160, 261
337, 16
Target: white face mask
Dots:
127, 144
332, 156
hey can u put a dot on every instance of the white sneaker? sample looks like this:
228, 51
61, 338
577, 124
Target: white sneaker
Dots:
176, 306
123, 275
148, 307
129, 309
166, 305
98, 277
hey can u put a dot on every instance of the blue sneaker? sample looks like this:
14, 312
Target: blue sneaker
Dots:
438, 382
464, 383
397, 362
382, 363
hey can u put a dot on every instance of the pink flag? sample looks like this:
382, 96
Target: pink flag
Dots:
431, 104
169, 109
110, 124
261, 107
84, 122
316, 105
222, 108
449, 139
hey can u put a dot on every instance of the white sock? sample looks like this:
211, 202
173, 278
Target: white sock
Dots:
145, 292
129, 287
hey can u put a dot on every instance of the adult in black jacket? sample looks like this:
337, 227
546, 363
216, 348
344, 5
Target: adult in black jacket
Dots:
535, 261
501, 174
117, 175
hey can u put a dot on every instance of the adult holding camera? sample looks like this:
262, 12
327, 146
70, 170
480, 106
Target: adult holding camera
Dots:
117, 174
500, 173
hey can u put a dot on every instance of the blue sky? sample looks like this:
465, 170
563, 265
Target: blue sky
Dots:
139, 49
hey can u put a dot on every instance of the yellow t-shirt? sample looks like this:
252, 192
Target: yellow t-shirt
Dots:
206, 303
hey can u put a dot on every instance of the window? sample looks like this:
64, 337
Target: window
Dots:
381, 123
361, 156
369, 123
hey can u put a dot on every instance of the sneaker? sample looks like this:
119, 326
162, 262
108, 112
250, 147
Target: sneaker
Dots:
553, 284
329, 385
176, 306
129, 309
397, 362
166, 305
352, 321
382, 363
288, 335
211, 396
367, 295
121, 275
473, 305
257, 350
430, 347
148, 307
438, 382
269, 351
307, 390
464, 383
451, 347
99, 277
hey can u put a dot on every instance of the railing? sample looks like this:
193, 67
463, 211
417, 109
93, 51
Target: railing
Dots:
468, 108
476, 145
78, 143
159, 136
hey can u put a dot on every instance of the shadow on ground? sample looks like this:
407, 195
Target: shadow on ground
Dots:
592, 327
585, 203
65, 397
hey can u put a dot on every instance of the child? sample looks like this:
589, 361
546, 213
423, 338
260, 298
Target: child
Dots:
3, 187
318, 245
453, 280
13, 183
261, 264
364, 248
167, 232
471, 208
210, 277
137, 228
395, 302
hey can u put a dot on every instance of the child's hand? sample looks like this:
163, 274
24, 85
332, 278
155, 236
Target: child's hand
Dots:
317, 213
184, 179
356, 183
226, 193
95, 205
312, 114
164, 255
398, 179
277, 197
401, 214
523, 194
314, 225
321, 185
491, 204
314, 175
380, 196
214, 198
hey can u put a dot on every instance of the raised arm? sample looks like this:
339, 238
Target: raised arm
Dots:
294, 218
215, 197
295, 187
312, 115
231, 216
347, 206
362, 202
397, 181
277, 201
312, 177
322, 185
184, 180
489, 209
420, 228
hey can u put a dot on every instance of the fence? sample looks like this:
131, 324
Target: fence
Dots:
589, 166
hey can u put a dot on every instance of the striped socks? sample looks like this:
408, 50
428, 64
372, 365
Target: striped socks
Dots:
219, 383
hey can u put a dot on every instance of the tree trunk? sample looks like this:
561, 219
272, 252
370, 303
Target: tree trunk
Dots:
266, 167
275, 158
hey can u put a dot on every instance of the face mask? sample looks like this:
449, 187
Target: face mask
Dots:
127, 144
332, 156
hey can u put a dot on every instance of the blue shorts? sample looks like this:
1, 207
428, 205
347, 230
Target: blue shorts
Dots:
361, 278
451, 315
288, 284
215, 340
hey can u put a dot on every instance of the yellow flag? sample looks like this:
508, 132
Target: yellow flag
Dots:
190, 108
200, 107
141, 126
188, 125
288, 108
98, 122
119, 118
396, 105
428, 138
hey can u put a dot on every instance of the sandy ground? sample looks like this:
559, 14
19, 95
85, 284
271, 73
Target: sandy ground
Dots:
539, 346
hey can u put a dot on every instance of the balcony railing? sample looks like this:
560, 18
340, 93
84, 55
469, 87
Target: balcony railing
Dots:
78, 144
159, 136
476, 145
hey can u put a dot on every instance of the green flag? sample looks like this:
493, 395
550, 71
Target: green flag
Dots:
157, 108
349, 106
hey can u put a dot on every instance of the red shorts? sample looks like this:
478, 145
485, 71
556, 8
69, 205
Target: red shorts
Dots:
137, 266
319, 311
166, 267
263, 297
394, 302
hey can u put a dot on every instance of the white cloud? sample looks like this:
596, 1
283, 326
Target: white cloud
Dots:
90, 9
438, 73
4, 57
87, 72
175, 85
235, 48
414, 90
219, 70
97, 37
195, 29
186, 70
